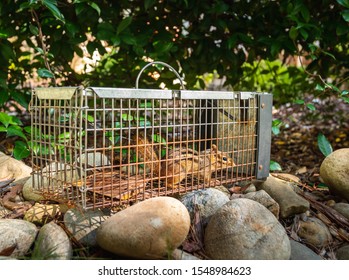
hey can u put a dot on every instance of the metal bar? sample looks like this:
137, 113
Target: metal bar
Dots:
130, 93
265, 103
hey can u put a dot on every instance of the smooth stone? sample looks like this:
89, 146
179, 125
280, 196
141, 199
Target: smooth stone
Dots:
150, 229
334, 171
84, 224
12, 168
41, 214
94, 159
289, 201
29, 193
265, 199
314, 232
17, 234
301, 252
343, 252
243, 229
53, 243
205, 202
342, 208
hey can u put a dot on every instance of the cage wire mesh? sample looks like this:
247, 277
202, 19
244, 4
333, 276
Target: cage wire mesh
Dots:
106, 147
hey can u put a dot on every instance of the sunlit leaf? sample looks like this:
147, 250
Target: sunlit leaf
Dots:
274, 166
20, 150
324, 145
44, 73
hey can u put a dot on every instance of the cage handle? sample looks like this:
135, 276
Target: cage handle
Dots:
161, 63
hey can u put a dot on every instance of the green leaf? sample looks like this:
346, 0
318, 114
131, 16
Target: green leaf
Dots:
319, 87
299, 102
344, 3
311, 107
345, 99
33, 29
44, 73
14, 130
293, 33
324, 145
5, 119
95, 7
20, 150
274, 166
344, 92
345, 15
123, 25
52, 6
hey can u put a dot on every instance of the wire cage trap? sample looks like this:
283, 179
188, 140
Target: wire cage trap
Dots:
104, 147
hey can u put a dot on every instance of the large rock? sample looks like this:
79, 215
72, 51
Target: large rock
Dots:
204, 202
150, 229
42, 213
334, 171
243, 229
53, 243
16, 237
12, 168
343, 252
289, 201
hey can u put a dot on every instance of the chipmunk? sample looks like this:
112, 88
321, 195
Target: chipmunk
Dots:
183, 162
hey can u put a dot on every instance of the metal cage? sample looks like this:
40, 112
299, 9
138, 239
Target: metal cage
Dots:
111, 147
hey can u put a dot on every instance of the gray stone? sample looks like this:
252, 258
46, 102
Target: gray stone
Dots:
289, 201
181, 255
342, 208
17, 234
205, 202
334, 171
265, 199
343, 252
84, 224
243, 229
150, 229
53, 243
301, 252
314, 232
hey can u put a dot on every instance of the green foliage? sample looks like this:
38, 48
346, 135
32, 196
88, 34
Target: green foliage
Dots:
13, 127
324, 145
242, 42
274, 166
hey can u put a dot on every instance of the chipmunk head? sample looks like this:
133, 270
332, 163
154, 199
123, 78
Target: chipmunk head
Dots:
221, 158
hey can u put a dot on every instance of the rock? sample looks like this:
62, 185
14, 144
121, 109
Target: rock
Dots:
84, 224
12, 168
250, 188
181, 255
32, 189
243, 229
264, 198
289, 201
29, 193
301, 252
314, 232
342, 208
334, 171
53, 243
42, 213
343, 252
94, 159
150, 229
205, 202
18, 235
